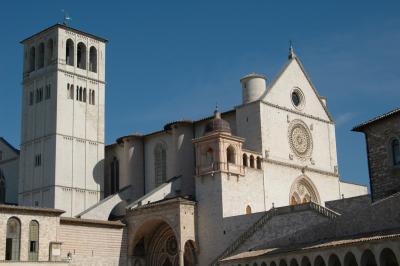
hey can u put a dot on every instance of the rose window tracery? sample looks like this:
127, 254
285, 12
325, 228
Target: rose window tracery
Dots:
300, 139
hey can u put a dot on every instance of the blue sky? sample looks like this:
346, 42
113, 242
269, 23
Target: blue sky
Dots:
168, 60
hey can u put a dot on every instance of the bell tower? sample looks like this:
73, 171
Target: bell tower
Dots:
62, 134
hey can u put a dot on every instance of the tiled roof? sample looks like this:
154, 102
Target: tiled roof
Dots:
35, 210
382, 116
326, 244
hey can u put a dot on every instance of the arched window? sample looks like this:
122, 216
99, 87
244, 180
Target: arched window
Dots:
251, 161
50, 51
114, 182
80, 93
32, 56
93, 59
303, 191
368, 258
33, 241
282, 263
350, 260
13, 239
230, 154
81, 55
84, 95
396, 152
305, 261
319, 261
41, 56
2, 187
272, 263
69, 52
210, 156
333, 260
160, 164
248, 209
93, 97
70, 91
245, 160
293, 262
258, 163
388, 258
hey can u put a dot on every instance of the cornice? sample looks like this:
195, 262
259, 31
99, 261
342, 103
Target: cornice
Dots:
302, 168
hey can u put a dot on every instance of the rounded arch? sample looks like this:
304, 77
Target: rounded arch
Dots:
230, 154
93, 59
245, 160
248, 209
273, 263
252, 161
69, 52
209, 156
81, 55
368, 258
263, 263
282, 262
293, 262
33, 240
319, 261
305, 190
350, 259
388, 258
334, 260
394, 148
13, 238
259, 162
305, 261
190, 253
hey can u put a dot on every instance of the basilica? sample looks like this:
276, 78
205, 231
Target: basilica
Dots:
258, 184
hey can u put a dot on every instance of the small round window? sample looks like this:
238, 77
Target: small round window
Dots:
297, 98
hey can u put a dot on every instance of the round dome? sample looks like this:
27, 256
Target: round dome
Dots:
217, 124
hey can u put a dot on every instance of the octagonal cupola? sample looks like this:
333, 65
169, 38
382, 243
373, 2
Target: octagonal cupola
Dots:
217, 124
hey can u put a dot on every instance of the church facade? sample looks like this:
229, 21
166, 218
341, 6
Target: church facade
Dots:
196, 192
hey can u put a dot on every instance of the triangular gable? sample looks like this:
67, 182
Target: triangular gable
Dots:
294, 75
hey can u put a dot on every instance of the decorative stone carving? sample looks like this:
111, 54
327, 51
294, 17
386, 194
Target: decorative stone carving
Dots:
300, 139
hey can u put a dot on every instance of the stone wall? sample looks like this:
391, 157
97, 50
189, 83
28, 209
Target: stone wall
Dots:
91, 242
384, 176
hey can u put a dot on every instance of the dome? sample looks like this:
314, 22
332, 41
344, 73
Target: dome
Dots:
217, 124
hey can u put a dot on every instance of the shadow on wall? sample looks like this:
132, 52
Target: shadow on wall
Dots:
123, 254
98, 176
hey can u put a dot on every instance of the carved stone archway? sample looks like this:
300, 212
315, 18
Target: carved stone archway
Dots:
302, 191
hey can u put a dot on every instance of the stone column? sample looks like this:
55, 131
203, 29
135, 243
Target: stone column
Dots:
181, 257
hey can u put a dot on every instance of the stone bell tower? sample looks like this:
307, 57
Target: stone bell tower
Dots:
62, 138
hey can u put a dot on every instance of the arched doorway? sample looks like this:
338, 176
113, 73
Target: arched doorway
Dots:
302, 191
190, 258
388, 258
334, 260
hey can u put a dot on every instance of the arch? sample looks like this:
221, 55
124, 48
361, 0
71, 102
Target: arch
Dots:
2, 187
93, 59
388, 258
303, 190
350, 259
230, 154
33, 241
69, 52
248, 209
263, 264
163, 247
41, 56
245, 163
81, 55
209, 156
13, 239
294, 199
32, 57
251, 161
395, 149
189, 255
258, 162
319, 261
368, 258
50, 51
305, 261
80, 93
333, 260
255, 264
293, 262
160, 164
282, 262
273, 263
84, 95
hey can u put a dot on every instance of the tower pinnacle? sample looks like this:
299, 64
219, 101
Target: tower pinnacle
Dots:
291, 51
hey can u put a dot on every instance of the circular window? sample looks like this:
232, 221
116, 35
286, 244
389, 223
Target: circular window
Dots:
297, 98
300, 139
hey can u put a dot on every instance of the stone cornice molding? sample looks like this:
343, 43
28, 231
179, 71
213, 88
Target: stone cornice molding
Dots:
299, 167
58, 134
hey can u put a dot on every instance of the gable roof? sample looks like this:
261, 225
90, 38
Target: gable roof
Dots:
294, 57
360, 127
9, 145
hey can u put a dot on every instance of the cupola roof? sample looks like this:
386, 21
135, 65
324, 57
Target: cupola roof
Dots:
217, 124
